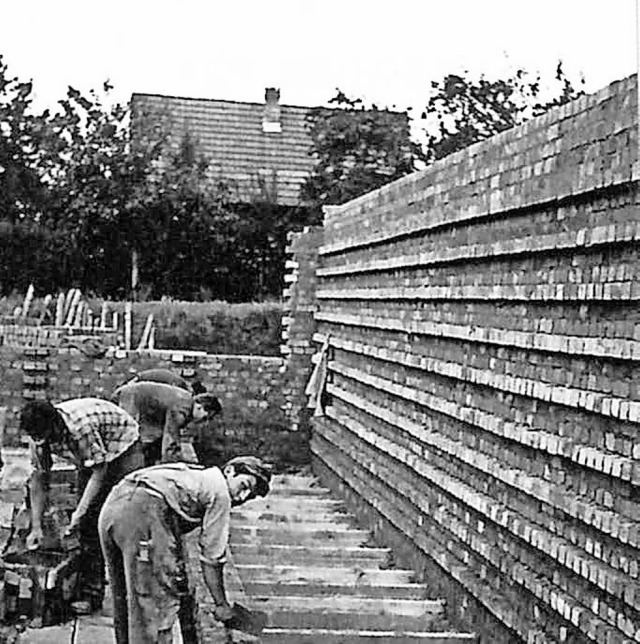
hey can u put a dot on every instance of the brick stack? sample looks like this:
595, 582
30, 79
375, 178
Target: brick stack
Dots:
485, 347
298, 323
39, 586
27, 334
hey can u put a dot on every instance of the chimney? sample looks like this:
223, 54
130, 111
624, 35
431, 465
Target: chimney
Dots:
271, 117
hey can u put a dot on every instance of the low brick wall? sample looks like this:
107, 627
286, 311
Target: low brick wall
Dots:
32, 335
251, 390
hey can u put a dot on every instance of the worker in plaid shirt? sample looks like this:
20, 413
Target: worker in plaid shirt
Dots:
103, 441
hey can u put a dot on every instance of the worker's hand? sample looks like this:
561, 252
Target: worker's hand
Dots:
70, 540
74, 523
34, 539
72, 530
223, 613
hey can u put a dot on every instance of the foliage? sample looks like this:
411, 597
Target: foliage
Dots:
110, 183
215, 327
251, 328
462, 111
85, 189
357, 150
21, 190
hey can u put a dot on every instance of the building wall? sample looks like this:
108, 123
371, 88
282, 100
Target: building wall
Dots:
483, 390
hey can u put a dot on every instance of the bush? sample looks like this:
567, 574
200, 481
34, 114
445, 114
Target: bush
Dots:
214, 327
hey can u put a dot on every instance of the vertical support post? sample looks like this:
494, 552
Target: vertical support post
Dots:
103, 315
127, 326
134, 273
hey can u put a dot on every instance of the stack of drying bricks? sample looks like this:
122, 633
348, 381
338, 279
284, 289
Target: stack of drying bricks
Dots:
38, 587
299, 323
484, 369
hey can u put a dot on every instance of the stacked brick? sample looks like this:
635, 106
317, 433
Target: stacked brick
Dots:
29, 335
484, 370
298, 323
39, 586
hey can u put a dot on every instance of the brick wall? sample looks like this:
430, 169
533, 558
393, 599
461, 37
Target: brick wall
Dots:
29, 335
251, 390
484, 397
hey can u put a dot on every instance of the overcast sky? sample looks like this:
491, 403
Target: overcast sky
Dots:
386, 52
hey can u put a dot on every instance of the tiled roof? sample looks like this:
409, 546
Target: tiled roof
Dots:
231, 135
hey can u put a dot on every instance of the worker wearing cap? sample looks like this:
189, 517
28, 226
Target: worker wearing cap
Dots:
102, 440
141, 525
162, 411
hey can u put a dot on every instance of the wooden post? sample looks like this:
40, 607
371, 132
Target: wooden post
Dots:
144, 338
152, 338
28, 298
67, 303
127, 326
72, 308
59, 321
79, 314
45, 308
134, 273
103, 315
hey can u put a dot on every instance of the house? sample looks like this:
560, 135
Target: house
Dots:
262, 149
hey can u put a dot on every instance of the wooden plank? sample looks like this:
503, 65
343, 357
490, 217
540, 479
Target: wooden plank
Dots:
127, 325
75, 299
44, 312
28, 299
103, 315
144, 338
60, 301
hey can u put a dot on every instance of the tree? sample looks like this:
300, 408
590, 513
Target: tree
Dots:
357, 150
463, 111
21, 189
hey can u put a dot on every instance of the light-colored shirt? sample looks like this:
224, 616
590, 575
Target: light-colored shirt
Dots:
162, 411
199, 496
98, 432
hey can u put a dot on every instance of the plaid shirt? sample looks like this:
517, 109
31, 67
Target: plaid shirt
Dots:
98, 432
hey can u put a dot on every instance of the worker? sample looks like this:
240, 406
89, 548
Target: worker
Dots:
162, 411
102, 440
168, 377
141, 525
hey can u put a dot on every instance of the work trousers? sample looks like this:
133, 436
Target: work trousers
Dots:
142, 546
91, 579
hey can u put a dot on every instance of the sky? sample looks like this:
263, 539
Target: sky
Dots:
385, 52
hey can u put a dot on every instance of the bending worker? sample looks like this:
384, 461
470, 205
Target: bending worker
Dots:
141, 525
162, 411
168, 377
102, 440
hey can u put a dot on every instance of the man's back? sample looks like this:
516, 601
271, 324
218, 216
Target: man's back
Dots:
161, 410
164, 376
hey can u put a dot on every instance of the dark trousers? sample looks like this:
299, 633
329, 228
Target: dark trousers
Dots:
91, 579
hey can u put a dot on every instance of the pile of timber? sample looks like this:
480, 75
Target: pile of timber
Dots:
73, 312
